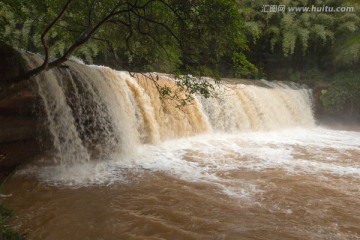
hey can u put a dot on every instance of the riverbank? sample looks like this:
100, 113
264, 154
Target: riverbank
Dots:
6, 232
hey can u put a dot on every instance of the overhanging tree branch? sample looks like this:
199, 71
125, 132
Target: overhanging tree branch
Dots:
129, 8
44, 35
82, 39
44, 42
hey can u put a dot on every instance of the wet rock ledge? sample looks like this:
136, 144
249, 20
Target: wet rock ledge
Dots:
18, 119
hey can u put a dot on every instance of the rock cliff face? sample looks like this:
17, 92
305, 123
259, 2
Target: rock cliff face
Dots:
18, 118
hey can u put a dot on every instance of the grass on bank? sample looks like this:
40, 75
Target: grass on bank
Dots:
6, 232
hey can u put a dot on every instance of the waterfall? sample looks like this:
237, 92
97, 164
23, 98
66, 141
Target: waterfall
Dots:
240, 107
93, 112
60, 121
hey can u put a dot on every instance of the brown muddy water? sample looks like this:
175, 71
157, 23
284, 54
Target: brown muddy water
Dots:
248, 163
286, 184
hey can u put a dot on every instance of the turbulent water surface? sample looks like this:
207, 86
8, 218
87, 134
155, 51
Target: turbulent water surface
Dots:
248, 164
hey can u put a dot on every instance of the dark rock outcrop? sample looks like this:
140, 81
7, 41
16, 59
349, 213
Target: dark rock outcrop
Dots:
18, 118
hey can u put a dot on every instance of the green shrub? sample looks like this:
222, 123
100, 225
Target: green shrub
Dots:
7, 233
343, 96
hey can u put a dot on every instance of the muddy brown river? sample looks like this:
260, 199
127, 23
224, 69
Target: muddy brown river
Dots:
287, 184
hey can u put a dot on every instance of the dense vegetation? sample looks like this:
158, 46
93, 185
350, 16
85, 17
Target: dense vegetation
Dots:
218, 38
321, 48
226, 38
7, 233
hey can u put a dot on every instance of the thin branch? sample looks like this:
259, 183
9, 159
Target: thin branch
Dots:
109, 45
154, 40
84, 39
91, 8
117, 21
172, 10
127, 40
132, 8
68, 29
44, 39
157, 23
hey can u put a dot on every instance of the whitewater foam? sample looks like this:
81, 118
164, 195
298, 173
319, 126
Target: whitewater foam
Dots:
216, 158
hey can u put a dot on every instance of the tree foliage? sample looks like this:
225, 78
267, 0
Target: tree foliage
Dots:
302, 38
308, 47
199, 37
141, 35
344, 94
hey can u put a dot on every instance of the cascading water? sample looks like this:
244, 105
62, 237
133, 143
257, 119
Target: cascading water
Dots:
96, 111
248, 107
60, 120
247, 164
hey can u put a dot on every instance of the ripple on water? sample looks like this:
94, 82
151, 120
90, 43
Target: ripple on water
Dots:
298, 183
